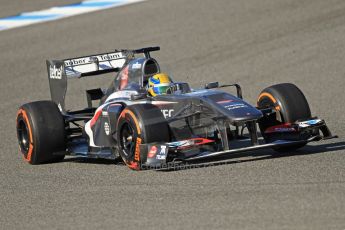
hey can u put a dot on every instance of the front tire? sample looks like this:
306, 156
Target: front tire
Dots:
41, 132
290, 105
139, 124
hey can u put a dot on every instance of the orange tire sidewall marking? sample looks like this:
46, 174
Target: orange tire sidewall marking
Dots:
133, 164
137, 149
126, 111
277, 107
31, 147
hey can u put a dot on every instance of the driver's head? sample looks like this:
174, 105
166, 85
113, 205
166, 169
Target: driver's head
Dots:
158, 84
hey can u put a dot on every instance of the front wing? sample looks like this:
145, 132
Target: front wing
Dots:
160, 154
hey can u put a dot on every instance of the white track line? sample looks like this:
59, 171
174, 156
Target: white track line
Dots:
55, 13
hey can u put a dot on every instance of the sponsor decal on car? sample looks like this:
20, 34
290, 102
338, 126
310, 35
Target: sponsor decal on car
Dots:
106, 128
167, 112
235, 106
77, 61
110, 56
283, 128
55, 73
136, 65
304, 124
162, 155
137, 150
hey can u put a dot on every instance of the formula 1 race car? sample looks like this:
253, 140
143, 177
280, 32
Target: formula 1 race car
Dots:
182, 125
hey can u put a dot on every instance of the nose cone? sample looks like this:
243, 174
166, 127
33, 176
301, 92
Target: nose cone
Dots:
239, 110
235, 108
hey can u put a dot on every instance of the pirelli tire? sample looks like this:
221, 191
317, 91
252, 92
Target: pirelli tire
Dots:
41, 132
139, 124
291, 106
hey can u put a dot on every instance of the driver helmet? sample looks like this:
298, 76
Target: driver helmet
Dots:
159, 84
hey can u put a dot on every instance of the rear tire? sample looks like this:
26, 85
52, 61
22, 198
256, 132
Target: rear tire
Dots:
291, 106
139, 124
41, 132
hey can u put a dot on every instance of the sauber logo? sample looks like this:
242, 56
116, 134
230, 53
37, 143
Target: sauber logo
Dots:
78, 61
55, 73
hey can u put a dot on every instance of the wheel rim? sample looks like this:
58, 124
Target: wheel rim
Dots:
23, 136
127, 140
266, 103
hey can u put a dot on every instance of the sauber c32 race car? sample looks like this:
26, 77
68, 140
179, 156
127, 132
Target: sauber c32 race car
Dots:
182, 125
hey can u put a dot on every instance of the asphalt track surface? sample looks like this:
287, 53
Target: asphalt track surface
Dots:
254, 43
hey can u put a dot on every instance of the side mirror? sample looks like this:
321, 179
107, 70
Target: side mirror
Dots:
212, 85
139, 96
142, 93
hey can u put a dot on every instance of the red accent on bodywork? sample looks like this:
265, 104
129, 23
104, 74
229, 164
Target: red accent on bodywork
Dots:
124, 78
95, 117
201, 141
152, 152
286, 127
190, 143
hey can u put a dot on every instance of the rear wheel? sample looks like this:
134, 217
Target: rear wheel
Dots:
139, 124
291, 106
41, 132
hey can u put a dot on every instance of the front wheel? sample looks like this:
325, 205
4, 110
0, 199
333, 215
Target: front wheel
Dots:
139, 124
290, 105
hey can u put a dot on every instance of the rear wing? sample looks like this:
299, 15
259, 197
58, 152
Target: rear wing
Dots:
59, 71
86, 66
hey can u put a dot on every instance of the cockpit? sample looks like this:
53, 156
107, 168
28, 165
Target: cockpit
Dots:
135, 74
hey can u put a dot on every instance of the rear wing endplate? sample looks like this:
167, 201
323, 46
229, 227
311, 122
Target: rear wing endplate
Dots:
61, 70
